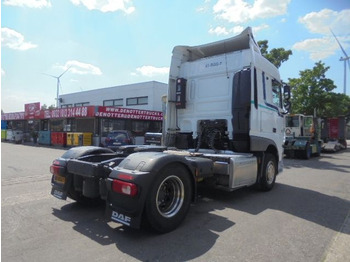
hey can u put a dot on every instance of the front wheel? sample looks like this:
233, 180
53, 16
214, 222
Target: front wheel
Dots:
169, 198
269, 172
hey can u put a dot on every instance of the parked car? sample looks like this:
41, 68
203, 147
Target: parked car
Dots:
118, 138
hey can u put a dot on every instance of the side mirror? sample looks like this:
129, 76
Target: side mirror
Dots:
286, 92
287, 106
286, 98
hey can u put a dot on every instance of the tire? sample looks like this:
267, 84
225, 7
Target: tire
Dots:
343, 143
269, 172
306, 154
169, 198
319, 148
288, 154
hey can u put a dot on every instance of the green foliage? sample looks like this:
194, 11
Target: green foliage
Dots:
276, 56
338, 105
45, 107
312, 90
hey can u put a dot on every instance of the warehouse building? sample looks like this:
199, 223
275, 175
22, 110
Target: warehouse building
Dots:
146, 96
85, 118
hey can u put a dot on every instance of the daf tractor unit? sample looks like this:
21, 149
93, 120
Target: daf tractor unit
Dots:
223, 124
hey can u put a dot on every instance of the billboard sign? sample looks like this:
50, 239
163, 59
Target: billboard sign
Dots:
32, 111
126, 113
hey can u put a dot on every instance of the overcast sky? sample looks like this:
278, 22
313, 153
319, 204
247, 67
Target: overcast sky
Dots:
113, 42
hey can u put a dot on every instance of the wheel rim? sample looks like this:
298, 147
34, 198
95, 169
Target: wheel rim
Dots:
270, 172
170, 196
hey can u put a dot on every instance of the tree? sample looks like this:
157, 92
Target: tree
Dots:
44, 107
276, 56
338, 105
313, 90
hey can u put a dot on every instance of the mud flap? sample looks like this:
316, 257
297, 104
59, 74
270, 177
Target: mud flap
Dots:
60, 188
60, 194
123, 217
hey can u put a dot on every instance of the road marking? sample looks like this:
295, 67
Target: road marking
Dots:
25, 179
24, 198
339, 250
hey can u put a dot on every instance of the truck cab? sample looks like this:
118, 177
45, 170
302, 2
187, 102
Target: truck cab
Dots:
225, 96
302, 136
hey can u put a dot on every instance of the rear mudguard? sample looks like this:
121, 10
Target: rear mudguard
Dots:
142, 169
60, 190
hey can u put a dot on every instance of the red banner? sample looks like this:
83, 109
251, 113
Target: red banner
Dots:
13, 116
87, 111
126, 113
69, 112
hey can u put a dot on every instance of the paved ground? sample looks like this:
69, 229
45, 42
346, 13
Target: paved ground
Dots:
304, 218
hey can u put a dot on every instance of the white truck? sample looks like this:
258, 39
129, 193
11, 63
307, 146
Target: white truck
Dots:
302, 136
223, 124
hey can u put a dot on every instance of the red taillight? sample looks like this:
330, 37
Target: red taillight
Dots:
107, 139
55, 170
125, 188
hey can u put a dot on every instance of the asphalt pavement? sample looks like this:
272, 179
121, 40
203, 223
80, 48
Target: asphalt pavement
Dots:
304, 218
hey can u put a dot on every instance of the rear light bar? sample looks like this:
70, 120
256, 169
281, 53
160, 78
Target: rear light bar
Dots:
124, 188
56, 168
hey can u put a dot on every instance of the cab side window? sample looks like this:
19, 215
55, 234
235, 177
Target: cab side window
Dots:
276, 93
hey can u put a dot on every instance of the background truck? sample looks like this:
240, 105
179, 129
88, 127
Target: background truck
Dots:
223, 125
334, 134
302, 136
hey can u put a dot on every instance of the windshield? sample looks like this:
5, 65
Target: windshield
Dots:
308, 121
292, 121
117, 136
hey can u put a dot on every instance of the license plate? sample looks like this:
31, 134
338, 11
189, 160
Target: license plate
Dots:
59, 179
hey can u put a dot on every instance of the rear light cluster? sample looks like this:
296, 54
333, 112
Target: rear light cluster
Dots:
125, 188
56, 168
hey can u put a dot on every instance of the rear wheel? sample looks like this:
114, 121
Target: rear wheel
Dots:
306, 154
169, 198
318, 147
269, 172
